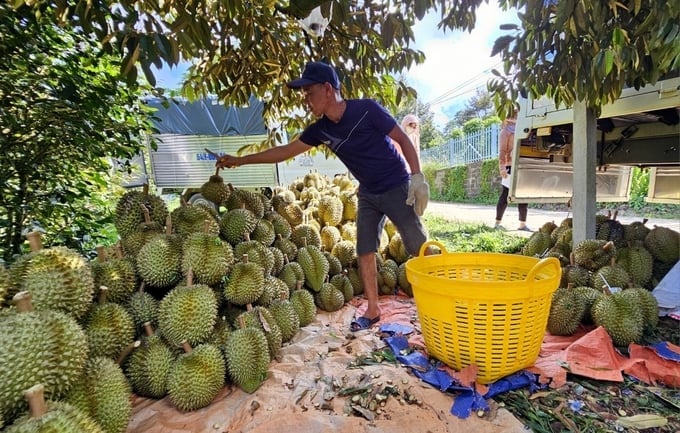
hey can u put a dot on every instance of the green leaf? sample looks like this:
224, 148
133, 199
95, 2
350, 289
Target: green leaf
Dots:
501, 44
608, 62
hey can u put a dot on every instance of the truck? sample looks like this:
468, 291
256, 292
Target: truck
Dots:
640, 129
184, 130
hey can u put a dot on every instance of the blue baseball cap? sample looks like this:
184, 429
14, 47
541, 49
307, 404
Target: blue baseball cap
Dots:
316, 73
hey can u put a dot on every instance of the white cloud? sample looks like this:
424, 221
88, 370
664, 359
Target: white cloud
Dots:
456, 62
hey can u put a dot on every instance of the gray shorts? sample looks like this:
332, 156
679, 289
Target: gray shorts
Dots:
373, 208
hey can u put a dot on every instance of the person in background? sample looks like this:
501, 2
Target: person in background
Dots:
506, 143
361, 133
411, 125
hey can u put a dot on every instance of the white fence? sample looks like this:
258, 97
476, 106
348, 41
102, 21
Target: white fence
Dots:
477, 146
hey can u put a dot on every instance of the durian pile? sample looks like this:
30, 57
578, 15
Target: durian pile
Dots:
187, 301
607, 281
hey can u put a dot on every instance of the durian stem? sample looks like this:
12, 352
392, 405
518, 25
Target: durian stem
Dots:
128, 350
23, 301
148, 329
608, 246
101, 254
249, 307
298, 284
103, 293
186, 346
145, 189
34, 241
119, 250
35, 396
206, 226
244, 258
616, 213
145, 211
168, 225
142, 286
190, 277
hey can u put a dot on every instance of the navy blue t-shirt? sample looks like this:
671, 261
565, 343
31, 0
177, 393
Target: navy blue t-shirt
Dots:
360, 141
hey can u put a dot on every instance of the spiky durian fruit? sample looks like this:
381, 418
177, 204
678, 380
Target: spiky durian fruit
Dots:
566, 223
246, 283
247, 358
192, 218
287, 247
104, 393
264, 232
109, 328
664, 244
142, 308
592, 254
330, 235
315, 266
346, 252
116, 273
292, 213
215, 189
148, 365
236, 224
566, 311
574, 274
257, 253
387, 280
334, 265
281, 225
610, 229
58, 278
403, 283
348, 231
160, 259
636, 231
304, 235
537, 244
196, 376
209, 257
646, 303
291, 273
274, 288
342, 282
260, 317
242, 198
129, 213
133, 241
350, 204
221, 334
355, 277
187, 313
612, 275
330, 210
279, 260
52, 417
329, 298
4, 285
47, 347
621, 318
283, 311
637, 261
589, 295
397, 249
304, 305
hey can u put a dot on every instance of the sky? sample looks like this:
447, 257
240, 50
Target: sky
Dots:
456, 62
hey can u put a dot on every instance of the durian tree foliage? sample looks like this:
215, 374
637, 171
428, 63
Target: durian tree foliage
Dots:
243, 48
582, 50
63, 113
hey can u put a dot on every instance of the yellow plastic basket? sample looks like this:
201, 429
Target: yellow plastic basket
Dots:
487, 309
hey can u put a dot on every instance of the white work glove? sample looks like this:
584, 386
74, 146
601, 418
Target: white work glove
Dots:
418, 193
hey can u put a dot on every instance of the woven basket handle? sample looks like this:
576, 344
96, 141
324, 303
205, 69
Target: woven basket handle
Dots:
423, 247
543, 264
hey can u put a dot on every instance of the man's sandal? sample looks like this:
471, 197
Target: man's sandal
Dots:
362, 323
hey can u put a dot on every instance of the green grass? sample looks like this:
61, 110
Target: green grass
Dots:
471, 237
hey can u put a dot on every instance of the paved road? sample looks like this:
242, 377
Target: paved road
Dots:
536, 218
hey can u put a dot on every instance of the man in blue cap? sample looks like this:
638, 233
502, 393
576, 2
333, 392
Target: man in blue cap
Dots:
360, 133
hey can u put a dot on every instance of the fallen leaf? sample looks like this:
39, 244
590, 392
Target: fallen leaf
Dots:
642, 422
